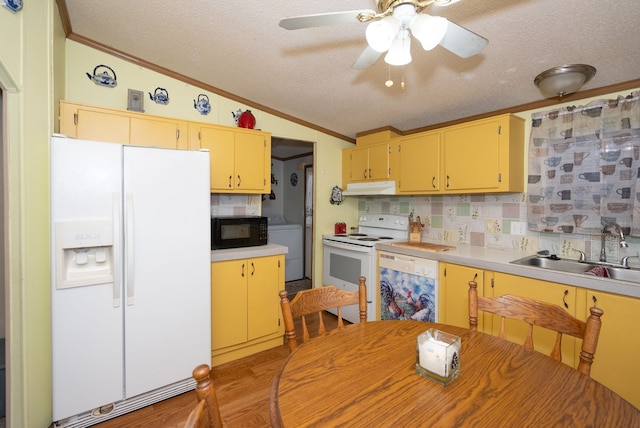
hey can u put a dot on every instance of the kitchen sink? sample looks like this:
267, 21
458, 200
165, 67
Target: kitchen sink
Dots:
574, 266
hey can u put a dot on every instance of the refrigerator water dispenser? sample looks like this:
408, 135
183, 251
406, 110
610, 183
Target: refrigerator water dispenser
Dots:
84, 253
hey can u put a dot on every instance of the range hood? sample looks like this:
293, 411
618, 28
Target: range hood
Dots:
370, 188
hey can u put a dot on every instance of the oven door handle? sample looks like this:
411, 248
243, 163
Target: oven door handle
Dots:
349, 247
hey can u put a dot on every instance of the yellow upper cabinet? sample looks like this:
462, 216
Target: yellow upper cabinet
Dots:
419, 163
158, 132
367, 163
485, 155
481, 156
120, 126
240, 158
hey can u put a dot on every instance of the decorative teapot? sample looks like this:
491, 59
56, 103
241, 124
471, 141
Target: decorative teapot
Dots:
160, 96
13, 5
246, 120
104, 78
202, 104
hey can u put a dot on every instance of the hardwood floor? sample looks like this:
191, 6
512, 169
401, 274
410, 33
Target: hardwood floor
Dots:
242, 387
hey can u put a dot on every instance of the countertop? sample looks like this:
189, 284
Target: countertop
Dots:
248, 252
498, 260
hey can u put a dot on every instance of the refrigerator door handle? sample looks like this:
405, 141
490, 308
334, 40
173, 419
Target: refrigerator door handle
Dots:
128, 233
117, 284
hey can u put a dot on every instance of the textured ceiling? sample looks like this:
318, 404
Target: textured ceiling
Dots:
239, 48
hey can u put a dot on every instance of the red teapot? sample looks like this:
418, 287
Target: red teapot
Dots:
246, 120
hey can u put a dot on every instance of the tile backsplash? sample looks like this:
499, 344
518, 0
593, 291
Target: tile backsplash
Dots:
235, 205
493, 221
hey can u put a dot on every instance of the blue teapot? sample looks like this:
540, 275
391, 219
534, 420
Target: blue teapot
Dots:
104, 78
160, 96
13, 5
202, 104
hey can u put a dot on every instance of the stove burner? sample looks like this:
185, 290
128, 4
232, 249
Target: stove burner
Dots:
368, 239
384, 237
340, 235
357, 234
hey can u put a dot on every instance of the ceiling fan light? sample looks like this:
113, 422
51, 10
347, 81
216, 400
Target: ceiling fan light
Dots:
429, 30
380, 34
400, 51
563, 80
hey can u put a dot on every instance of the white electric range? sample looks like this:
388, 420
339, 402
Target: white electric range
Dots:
349, 256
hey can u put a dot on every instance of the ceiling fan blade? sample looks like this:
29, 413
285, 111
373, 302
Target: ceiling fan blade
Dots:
366, 59
462, 42
322, 19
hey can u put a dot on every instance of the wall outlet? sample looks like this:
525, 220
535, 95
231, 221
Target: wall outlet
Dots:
518, 227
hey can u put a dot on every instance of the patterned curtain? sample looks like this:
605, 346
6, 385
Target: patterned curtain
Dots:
583, 167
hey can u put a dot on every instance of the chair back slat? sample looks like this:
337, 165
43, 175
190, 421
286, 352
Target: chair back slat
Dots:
318, 300
540, 314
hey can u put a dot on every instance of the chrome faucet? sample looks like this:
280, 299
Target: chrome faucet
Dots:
623, 243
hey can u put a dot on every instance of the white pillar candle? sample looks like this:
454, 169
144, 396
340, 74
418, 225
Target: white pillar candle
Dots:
433, 356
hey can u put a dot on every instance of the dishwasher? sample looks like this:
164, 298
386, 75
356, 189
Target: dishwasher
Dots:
408, 287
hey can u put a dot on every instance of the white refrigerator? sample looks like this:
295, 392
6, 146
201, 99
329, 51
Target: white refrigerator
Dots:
130, 276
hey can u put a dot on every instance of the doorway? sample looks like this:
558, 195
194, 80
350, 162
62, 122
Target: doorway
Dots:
308, 221
291, 191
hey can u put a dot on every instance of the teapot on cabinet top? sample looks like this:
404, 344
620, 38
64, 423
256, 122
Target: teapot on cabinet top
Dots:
104, 78
202, 104
160, 96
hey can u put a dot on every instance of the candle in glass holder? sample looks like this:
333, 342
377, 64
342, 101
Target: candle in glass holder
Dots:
438, 356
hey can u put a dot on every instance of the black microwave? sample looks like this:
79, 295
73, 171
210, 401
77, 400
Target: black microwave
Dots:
236, 232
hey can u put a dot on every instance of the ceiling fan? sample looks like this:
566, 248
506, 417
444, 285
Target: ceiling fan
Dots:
390, 29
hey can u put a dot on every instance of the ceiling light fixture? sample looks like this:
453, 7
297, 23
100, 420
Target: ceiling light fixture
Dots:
563, 80
400, 51
391, 34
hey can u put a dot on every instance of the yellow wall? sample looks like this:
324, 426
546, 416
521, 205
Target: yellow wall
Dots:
26, 61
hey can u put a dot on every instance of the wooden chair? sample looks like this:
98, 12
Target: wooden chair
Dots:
207, 413
541, 314
317, 300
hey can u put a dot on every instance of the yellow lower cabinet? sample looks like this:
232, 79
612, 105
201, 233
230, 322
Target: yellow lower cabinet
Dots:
543, 339
245, 308
453, 290
615, 364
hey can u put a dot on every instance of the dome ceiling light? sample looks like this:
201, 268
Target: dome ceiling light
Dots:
563, 80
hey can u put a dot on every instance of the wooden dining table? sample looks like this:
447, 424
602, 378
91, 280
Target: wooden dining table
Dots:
365, 375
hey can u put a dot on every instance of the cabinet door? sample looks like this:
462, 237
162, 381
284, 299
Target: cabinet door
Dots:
99, 126
360, 164
250, 153
454, 294
379, 162
471, 156
558, 294
263, 302
154, 132
420, 164
616, 361
228, 303
221, 145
